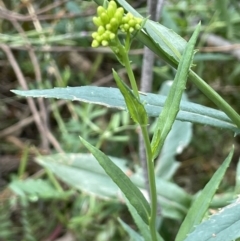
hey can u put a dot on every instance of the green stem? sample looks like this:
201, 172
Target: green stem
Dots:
150, 163
152, 183
131, 76
147, 144
215, 98
123, 51
126, 61
128, 42
23, 163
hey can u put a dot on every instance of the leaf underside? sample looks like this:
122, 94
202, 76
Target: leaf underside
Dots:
201, 204
112, 98
223, 226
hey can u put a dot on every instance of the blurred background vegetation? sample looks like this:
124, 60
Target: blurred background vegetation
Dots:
45, 44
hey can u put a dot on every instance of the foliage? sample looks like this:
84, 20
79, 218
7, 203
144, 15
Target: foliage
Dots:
107, 177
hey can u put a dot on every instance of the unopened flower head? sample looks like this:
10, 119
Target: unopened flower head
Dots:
111, 19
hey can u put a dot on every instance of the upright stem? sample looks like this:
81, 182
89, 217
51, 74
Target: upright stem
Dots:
150, 163
215, 98
128, 67
152, 183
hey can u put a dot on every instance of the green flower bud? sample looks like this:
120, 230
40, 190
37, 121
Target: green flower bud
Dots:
100, 10
139, 20
105, 36
112, 7
131, 29
118, 16
109, 35
94, 35
126, 26
108, 26
137, 26
120, 11
132, 22
95, 43
112, 36
104, 18
129, 15
104, 43
101, 30
99, 38
109, 20
114, 23
97, 21
125, 19
112, 4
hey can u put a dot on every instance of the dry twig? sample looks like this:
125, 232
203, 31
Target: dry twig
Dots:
30, 101
220, 44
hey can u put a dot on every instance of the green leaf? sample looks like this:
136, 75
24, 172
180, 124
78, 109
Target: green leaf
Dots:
174, 201
237, 185
112, 98
143, 228
132, 233
201, 204
35, 189
222, 226
178, 138
132, 193
134, 106
169, 41
172, 104
82, 171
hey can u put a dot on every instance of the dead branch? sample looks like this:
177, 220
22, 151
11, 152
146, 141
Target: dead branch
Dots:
31, 103
220, 45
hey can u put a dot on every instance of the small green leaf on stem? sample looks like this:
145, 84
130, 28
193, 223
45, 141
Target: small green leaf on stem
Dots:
172, 104
134, 106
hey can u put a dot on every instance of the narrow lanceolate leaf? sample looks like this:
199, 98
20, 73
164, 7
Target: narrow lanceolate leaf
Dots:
132, 193
201, 204
142, 227
134, 106
112, 98
166, 39
172, 104
132, 233
222, 226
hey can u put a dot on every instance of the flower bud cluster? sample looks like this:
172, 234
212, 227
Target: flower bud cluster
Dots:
109, 21
130, 23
